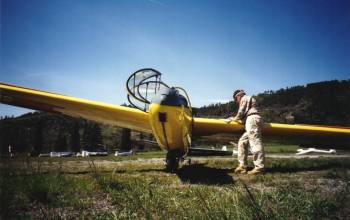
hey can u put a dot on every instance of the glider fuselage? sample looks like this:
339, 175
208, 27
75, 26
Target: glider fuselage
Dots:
171, 121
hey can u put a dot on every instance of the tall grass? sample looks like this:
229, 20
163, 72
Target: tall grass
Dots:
195, 192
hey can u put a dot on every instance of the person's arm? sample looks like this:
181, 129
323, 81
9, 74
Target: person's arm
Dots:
229, 119
243, 105
241, 111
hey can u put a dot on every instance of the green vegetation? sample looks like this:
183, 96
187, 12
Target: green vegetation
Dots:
315, 103
141, 189
280, 148
40, 132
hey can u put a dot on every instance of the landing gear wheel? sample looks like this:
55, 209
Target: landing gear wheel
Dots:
172, 162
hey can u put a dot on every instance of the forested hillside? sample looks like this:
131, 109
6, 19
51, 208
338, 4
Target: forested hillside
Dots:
44, 132
325, 103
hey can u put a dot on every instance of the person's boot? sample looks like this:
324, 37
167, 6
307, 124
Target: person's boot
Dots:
240, 170
256, 171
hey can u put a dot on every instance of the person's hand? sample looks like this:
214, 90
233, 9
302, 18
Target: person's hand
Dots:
237, 120
228, 120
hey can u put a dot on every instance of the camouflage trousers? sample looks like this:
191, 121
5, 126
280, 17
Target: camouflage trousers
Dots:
251, 139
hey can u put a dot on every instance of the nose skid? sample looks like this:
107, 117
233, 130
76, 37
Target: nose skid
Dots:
171, 126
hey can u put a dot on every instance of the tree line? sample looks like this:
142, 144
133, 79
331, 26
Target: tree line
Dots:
324, 103
44, 132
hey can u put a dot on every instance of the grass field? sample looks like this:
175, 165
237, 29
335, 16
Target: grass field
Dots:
137, 187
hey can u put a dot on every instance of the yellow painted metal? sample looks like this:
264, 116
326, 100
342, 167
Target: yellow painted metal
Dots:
176, 133
310, 130
205, 126
97, 111
208, 126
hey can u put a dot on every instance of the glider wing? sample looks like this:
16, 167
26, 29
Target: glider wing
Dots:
299, 133
97, 111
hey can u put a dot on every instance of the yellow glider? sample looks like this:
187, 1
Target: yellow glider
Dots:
168, 116
138, 120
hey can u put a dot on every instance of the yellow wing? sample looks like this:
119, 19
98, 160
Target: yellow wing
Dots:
97, 111
206, 126
317, 134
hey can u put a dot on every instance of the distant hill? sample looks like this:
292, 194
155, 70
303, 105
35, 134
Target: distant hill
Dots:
45, 132
324, 103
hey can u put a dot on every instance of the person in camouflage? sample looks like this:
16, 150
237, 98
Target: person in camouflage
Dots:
248, 114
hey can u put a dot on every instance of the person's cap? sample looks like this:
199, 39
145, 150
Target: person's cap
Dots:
237, 92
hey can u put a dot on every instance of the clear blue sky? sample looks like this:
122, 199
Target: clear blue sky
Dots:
88, 48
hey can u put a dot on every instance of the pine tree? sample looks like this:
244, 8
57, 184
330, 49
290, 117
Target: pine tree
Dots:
85, 141
75, 138
61, 142
38, 139
125, 142
96, 139
92, 137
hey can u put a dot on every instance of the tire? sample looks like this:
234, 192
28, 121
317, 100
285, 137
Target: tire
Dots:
172, 163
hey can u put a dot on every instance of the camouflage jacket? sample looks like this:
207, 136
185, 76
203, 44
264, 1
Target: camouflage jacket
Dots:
247, 106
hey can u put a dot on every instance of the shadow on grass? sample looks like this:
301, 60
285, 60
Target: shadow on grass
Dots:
200, 174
